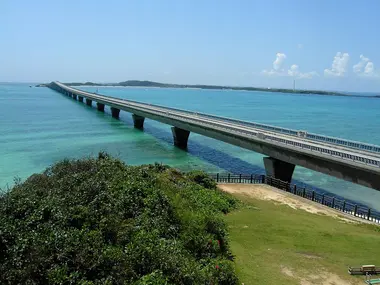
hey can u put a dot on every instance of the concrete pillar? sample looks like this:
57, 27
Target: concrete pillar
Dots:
74, 96
115, 112
278, 169
138, 121
100, 107
80, 98
180, 137
88, 102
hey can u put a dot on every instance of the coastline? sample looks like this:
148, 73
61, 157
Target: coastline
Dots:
150, 85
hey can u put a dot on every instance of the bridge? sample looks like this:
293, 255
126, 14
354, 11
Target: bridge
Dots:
285, 148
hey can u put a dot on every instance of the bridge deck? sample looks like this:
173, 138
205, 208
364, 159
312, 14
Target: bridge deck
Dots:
351, 155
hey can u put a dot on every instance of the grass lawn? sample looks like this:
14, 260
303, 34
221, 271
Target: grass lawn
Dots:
275, 244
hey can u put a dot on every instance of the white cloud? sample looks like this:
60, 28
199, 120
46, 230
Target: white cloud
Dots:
365, 67
369, 68
269, 72
339, 65
278, 69
308, 75
277, 64
359, 66
294, 72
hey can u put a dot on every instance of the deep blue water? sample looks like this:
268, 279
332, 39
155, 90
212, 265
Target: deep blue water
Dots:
39, 127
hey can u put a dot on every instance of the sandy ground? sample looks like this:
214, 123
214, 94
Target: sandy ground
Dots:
266, 192
324, 278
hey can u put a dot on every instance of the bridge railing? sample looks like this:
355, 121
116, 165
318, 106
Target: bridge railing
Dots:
337, 203
362, 159
359, 158
344, 142
310, 136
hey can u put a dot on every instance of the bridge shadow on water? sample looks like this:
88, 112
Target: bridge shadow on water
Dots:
220, 159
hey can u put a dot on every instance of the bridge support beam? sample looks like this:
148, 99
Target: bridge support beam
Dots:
180, 137
80, 98
100, 107
279, 169
74, 96
138, 121
88, 102
115, 112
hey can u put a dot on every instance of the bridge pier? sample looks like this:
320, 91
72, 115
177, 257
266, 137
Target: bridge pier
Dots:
138, 121
88, 102
180, 137
74, 96
115, 112
80, 98
278, 169
100, 107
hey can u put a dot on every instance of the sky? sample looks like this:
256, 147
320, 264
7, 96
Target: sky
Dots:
322, 44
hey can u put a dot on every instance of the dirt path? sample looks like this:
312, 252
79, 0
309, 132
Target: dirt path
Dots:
322, 278
266, 192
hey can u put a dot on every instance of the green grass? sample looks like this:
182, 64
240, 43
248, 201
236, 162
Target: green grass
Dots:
266, 237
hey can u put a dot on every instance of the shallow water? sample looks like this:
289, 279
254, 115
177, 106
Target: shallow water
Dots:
39, 127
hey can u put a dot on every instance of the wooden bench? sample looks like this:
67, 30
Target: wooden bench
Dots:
363, 270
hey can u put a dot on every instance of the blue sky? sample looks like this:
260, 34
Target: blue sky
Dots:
333, 45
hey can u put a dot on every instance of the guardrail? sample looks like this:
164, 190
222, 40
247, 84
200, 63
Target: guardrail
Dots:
359, 158
310, 136
347, 207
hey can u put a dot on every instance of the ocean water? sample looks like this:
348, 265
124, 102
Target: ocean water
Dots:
39, 127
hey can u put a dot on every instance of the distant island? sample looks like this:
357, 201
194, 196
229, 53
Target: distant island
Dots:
145, 83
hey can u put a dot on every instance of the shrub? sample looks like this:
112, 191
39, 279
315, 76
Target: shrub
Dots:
99, 221
202, 179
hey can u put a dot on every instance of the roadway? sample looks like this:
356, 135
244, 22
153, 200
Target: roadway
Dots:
278, 145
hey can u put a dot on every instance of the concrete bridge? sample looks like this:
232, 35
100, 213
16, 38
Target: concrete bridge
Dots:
352, 161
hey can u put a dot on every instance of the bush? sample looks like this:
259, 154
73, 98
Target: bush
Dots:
202, 179
99, 221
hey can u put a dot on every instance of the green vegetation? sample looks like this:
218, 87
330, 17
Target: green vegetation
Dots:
275, 244
99, 221
145, 83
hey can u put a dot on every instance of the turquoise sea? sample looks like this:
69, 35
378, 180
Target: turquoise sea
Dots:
39, 127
